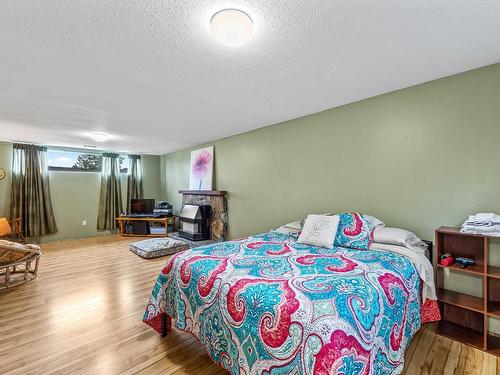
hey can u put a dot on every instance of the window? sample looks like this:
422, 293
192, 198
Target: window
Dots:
77, 161
123, 164
62, 160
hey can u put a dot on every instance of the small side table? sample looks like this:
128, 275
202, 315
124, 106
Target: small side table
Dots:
122, 220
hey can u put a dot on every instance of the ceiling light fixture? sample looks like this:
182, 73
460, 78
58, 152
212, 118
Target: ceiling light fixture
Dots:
99, 136
231, 27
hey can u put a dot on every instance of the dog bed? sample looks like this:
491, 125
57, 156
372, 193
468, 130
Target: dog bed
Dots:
157, 247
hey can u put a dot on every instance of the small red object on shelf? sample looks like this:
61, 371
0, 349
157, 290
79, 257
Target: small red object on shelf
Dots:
446, 260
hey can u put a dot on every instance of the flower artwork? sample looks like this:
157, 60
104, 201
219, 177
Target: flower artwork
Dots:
201, 169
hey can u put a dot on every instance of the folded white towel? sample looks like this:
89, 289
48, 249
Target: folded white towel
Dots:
480, 223
486, 223
488, 231
489, 226
483, 218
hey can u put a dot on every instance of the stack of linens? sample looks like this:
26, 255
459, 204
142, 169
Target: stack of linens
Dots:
482, 223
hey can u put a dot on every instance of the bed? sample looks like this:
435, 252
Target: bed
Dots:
269, 305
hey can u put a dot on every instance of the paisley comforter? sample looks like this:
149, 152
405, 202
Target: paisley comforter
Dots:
268, 305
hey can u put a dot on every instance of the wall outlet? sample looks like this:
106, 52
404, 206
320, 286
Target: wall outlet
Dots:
84, 222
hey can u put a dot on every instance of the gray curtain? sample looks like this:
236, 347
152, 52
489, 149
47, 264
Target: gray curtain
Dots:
110, 201
134, 179
30, 191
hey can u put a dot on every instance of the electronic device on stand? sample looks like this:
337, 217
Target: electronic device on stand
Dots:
163, 209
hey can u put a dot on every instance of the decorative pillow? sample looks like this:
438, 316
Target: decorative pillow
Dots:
354, 232
319, 230
401, 237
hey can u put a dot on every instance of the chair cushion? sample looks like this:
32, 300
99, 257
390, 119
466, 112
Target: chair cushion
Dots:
12, 252
157, 247
5, 228
30, 248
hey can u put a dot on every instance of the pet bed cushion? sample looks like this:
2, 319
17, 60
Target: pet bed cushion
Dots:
157, 247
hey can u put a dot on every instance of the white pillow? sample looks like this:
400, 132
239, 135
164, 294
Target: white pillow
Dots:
319, 230
287, 230
374, 221
297, 225
401, 237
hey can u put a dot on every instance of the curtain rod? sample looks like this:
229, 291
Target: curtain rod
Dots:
69, 148
88, 150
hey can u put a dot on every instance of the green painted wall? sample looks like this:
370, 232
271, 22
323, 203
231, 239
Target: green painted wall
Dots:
417, 158
151, 165
71, 209
75, 195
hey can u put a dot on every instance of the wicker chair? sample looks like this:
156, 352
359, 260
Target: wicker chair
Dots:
18, 263
12, 230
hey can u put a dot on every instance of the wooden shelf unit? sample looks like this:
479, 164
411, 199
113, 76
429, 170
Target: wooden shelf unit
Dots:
475, 270
461, 300
465, 317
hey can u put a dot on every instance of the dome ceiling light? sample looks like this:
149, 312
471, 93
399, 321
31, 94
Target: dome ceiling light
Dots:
99, 136
231, 27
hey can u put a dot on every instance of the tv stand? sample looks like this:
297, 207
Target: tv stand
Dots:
123, 220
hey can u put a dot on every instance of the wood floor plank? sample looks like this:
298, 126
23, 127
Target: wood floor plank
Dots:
453, 358
416, 366
489, 364
83, 314
437, 355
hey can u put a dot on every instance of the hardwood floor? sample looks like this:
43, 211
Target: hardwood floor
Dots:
83, 315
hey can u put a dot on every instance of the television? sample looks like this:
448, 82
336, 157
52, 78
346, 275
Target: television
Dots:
142, 206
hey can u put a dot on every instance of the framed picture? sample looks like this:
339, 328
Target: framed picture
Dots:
201, 169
